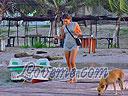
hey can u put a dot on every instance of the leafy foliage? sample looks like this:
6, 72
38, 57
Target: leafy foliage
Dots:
119, 6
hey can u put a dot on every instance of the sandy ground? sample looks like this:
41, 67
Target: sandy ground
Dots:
111, 58
55, 88
102, 57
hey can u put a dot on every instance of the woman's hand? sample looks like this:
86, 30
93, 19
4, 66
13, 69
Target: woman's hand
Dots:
76, 34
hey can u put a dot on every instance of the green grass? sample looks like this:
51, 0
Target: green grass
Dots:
25, 46
4, 31
124, 32
44, 26
32, 28
111, 31
42, 45
41, 26
38, 44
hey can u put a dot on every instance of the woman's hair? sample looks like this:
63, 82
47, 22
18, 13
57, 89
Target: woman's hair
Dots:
67, 16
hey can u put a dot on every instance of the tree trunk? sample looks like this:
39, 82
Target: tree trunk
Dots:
26, 34
36, 29
1, 14
0, 18
116, 34
51, 32
56, 25
57, 22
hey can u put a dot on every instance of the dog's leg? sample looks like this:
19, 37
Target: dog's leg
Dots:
114, 85
106, 87
121, 85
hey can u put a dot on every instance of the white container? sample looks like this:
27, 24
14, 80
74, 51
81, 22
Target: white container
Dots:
43, 62
17, 67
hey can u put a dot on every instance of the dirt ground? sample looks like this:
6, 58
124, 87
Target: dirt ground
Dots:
111, 58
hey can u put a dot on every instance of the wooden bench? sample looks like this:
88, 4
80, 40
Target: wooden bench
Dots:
38, 37
109, 40
11, 41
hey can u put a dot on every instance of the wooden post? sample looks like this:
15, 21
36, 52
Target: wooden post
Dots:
8, 42
96, 34
36, 29
90, 28
8, 28
26, 34
17, 33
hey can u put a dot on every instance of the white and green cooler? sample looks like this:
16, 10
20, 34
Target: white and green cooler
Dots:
18, 68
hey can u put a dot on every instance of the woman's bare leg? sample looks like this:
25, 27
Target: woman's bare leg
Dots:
73, 62
67, 56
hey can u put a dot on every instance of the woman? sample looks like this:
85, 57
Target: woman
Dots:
70, 46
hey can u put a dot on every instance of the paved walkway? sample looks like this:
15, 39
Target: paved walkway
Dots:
56, 88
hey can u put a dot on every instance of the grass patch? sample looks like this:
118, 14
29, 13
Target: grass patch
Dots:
124, 32
25, 46
4, 31
40, 26
38, 44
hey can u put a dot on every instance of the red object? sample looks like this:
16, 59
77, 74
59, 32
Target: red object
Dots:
90, 43
36, 80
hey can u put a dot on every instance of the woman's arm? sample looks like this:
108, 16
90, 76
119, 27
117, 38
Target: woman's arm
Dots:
77, 30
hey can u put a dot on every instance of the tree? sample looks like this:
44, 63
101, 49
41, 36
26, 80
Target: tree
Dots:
119, 7
58, 8
4, 6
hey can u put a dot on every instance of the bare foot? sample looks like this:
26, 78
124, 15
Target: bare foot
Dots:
115, 93
69, 80
73, 80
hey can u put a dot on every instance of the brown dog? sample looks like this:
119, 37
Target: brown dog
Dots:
114, 76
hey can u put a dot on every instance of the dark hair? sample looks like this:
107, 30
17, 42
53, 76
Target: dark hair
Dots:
66, 16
